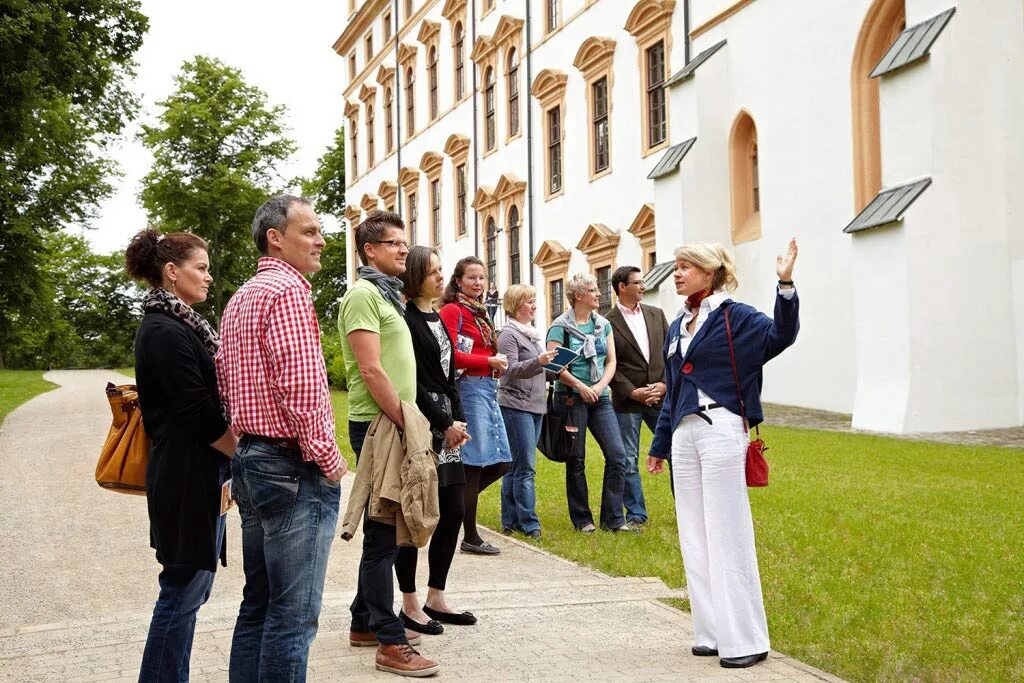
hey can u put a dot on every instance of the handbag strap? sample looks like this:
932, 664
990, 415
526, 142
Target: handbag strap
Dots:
736, 374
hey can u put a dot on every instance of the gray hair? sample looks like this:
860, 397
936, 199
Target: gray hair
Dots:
578, 284
273, 214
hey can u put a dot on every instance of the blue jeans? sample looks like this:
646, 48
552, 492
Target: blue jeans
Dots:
633, 492
289, 513
183, 591
518, 494
373, 607
599, 419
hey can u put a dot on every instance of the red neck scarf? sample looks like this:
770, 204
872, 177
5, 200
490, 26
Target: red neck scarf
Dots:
693, 301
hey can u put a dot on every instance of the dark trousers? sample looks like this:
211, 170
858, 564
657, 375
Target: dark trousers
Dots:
373, 607
452, 506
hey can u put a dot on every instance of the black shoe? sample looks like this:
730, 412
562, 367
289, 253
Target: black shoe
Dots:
742, 662
456, 618
532, 534
636, 521
507, 530
431, 628
703, 651
484, 548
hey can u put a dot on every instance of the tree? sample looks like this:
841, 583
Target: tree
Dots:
215, 152
64, 69
327, 190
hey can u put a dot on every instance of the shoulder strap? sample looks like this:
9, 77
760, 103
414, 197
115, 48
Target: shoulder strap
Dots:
735, 372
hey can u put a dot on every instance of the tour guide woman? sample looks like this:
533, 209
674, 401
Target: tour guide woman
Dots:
700, 425
188, 460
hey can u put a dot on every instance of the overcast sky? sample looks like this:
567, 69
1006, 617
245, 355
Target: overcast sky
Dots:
282, 48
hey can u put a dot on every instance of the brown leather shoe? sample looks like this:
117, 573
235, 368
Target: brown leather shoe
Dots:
368, 638
405, 661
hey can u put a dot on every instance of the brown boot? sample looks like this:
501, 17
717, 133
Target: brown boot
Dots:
404, 661
368, 638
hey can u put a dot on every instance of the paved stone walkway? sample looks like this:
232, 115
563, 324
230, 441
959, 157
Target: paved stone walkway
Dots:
791, 416
79, 582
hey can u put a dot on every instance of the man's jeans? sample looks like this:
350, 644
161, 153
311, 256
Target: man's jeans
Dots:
599, 419
289, 513
518, 494
633, 492
169, 644
373, 607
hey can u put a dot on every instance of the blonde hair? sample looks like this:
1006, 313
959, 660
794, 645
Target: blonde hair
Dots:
578, 284
515, 296
711, 258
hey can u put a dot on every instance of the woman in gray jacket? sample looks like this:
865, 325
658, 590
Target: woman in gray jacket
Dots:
521, 397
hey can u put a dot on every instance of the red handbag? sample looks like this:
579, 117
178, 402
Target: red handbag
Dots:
757, 466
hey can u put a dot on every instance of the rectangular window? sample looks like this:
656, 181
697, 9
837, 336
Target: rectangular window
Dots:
460, 174
354, 143
387, 26
352, 66
432, 76
460, 65
554, 150
410, 104
489, 114
551, 16
408, 10
412, 216
513, 253
599, 91
556, 296
369, 47
369, 137
604, 285
389, 138
435, 213
513, 99
656, 120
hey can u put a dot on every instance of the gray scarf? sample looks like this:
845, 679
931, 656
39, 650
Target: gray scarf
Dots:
567, 321
388, 286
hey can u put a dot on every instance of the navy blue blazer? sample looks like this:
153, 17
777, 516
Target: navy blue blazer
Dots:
756, 339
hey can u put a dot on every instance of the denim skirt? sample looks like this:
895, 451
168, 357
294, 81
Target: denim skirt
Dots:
488, 444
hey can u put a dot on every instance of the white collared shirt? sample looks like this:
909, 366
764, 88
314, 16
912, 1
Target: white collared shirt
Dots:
634, 318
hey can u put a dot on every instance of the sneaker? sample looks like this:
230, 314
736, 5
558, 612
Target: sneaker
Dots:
626, 528
368, 638
587, 528
405, 661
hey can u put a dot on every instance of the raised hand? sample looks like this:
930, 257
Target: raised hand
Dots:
784, 264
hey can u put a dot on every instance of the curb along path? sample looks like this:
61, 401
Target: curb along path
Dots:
81, 581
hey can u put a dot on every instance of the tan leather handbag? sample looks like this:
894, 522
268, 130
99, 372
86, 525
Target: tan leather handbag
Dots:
122, 463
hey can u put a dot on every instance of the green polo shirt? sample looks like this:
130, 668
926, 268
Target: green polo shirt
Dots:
363, 308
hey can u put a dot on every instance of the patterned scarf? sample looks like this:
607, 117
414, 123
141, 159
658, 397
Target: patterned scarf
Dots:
483, 320
388, 286
159, 299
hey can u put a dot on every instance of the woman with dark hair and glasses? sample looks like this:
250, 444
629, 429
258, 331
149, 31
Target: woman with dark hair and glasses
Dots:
438, 400
487, 456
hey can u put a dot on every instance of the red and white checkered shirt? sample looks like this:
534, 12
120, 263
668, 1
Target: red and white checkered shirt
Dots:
270, 366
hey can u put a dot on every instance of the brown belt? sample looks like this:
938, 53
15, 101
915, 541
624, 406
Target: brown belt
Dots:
292, 444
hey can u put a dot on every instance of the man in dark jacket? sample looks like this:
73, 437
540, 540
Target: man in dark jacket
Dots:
638, 385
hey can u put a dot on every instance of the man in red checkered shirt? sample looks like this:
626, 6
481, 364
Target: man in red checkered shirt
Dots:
287, 469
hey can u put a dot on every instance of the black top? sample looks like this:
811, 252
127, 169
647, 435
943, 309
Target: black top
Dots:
436, 394
182, 414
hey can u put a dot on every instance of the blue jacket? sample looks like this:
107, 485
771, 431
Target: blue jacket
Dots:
756, 339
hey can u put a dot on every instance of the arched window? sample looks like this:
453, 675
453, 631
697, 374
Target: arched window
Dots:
353, 133
490, 139
746, 184
389, 137
491, 250
410, 102
515, 276
369, 136
432, 77
512, 60
882, 24
460, 65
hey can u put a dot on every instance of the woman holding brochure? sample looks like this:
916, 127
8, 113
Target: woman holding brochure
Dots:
523, 404
582, 388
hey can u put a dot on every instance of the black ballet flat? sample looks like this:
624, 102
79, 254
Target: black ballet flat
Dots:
703, 651
742, 662
454, 618
431, 628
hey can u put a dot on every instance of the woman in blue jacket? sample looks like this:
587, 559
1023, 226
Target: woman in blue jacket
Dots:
700, 426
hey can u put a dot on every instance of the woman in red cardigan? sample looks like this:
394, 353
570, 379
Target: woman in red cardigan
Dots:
486, 456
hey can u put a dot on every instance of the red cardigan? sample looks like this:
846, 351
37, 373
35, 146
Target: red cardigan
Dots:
474, 363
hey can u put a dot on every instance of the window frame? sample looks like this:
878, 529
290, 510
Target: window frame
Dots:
490, 116
410, 102
432, 81
514, 129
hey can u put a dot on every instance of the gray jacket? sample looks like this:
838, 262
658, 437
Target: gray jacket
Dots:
524, 386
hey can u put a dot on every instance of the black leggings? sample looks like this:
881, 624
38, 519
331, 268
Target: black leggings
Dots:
451, 503
478, 479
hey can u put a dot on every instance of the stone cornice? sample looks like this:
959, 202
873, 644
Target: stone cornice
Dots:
594, 55
549, 85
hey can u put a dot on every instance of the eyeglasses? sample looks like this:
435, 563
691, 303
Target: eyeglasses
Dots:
398, 244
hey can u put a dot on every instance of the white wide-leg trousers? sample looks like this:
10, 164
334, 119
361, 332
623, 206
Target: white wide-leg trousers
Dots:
716, 534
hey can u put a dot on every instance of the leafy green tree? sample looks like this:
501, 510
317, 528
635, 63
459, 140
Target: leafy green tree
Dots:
327, 190
64, 72
216, 148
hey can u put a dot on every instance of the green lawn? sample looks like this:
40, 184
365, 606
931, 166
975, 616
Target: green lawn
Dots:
130, 372
881, 559
18, 386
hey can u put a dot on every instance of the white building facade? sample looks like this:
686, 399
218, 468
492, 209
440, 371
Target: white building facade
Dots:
550, 137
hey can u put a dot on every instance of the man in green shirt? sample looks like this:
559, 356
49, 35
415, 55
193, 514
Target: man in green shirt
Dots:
381, 369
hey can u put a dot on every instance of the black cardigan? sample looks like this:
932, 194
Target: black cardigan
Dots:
181, 411
429, 375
